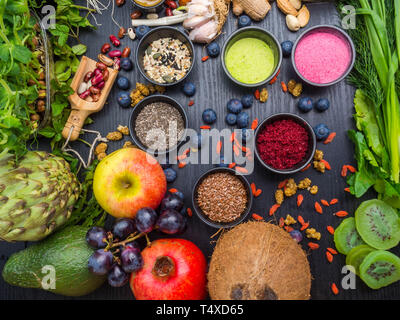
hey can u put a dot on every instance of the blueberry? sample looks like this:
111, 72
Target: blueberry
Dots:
123, 83
222, 163
141, 31
213, 49
231, 119
321, 131
246, 135
247, 100
305, 104
197, 141
296, 235
244, 21
287, 47
234, 106
322, 105
242, 120
209, 116
170, 174
126, 64
189, 89
180, 195
124, 100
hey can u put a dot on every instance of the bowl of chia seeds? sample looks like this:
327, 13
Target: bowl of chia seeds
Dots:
222, 198
158, 124
165, 56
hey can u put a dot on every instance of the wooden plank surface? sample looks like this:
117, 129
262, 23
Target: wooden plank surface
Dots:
214, 89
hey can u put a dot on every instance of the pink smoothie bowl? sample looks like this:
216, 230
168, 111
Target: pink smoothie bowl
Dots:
323, 55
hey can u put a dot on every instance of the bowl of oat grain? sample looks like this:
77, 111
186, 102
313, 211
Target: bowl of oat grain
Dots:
165, 56
222, 198
158, 124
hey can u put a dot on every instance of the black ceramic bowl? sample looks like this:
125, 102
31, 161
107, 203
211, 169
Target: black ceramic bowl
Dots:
139, 107
158, 33
215, 224
258, 33
325, 28
311, 147
153, 9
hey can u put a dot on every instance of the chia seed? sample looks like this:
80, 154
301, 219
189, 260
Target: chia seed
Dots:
164, 123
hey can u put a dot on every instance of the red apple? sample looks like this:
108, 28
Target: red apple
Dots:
127, 180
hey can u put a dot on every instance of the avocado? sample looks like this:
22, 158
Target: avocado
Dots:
64, 253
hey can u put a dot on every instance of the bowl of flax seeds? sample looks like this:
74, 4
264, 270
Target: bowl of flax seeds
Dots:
222, 198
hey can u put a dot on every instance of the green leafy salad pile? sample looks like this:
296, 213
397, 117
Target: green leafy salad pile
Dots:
377, 78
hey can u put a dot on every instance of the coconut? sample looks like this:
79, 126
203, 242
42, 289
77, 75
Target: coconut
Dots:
221, 8
258, 261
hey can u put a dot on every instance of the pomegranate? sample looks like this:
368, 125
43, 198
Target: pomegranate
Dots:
173, 269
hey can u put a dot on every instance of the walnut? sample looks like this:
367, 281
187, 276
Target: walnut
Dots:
114, 136
291, 85
101, 156
319, 155
290, 188
313, 234
304, 184
101, 148
279, 196
127, 144
319, 166
136, 97
264, 95
151, 88
123, 129
314, 190
297, 90
160, 89
289, 220
142, 89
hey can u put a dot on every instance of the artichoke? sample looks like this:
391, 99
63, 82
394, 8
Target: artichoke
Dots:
37, 195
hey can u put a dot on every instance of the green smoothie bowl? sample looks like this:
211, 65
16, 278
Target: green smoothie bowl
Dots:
251, 56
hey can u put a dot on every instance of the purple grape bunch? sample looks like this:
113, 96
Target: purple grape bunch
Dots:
117, 256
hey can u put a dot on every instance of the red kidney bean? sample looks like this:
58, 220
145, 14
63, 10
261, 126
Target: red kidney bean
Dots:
100, 85
94, 90
88, 76
101, 66
136, 14
106, 75
171, 4
115, 41
105, 48
115, 54
117, 63
95, 97
126, 52
97, 79
121, 33
106, 60
84, 95
119, 3
97, 72
168, 12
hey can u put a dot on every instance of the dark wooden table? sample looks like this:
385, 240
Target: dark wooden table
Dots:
214, 89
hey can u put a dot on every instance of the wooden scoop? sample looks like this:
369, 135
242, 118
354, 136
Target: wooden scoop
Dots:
81, 109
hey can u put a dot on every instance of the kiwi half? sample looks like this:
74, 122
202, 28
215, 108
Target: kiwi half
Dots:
356, 256
346, 236
378, 224
380, 269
